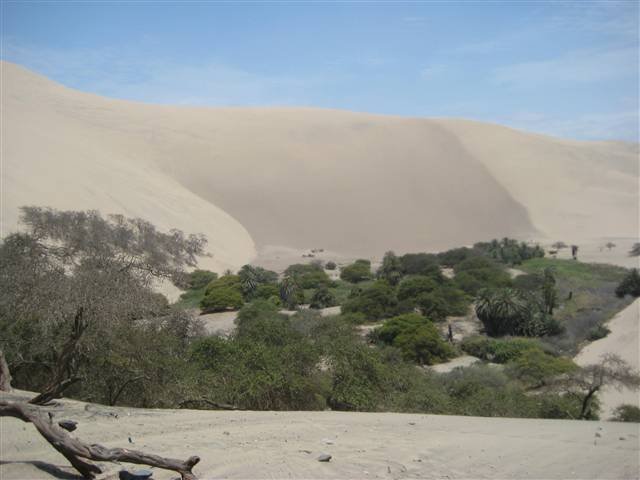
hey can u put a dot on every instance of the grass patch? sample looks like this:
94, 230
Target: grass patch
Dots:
586, 295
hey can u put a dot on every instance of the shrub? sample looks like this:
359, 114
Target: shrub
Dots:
626, 413
331, 265
598, 332
322, 298
267, 291
453, 257
358, 271
535, 367
307, 276
223, 294
420, 264
412, 287
416, 337
221, 299
477, 272
498, 350
374, 302
200, 278
630, 285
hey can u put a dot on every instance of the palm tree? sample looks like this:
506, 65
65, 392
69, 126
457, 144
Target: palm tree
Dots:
502, 311
248, 280
289, 292
635, 250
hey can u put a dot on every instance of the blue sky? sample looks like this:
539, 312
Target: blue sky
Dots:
563, 68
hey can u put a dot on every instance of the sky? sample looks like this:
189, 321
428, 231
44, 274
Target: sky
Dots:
568, 69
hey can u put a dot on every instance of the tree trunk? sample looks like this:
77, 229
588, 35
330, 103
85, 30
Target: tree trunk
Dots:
78, 452
5, 374
586, 403
62, 378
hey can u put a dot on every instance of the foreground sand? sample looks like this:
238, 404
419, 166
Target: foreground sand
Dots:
363, 445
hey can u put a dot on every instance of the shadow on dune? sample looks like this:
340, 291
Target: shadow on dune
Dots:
53, 470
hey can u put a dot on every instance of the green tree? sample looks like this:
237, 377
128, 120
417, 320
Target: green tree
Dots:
358, 271
374, 302
391, 268
417, 338
322, 298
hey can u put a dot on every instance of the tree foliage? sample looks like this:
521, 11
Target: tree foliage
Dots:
358, 271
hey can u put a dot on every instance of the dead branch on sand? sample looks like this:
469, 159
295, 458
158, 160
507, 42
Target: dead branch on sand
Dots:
78, 452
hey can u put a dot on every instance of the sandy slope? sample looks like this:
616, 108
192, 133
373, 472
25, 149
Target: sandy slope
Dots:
623, 341
363, 445
303, 178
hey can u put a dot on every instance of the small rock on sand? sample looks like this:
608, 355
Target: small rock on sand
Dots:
325, 457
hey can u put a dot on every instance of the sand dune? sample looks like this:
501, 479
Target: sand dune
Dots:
363, 445
300, 177
623, 341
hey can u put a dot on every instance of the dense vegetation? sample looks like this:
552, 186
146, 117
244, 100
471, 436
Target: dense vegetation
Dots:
77, 305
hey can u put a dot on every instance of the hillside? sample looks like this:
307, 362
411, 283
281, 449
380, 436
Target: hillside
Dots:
300, 177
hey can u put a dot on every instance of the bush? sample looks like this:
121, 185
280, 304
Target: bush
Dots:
535, 367
331, 265
221, 299
223, 294
416, 337
420, 264
200, 278
412, 287
630, 285
626, 413
359, 271
374, 302
476, 273
498, 350
598, 332
322, 298
307, 276
267, 291
453, 257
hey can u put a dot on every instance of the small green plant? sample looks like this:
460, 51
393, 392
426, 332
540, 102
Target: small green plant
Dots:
330, 265
630, 284
598, 332
626, 413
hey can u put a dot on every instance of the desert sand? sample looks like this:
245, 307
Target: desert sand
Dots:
280, 445
624, 342
303, 178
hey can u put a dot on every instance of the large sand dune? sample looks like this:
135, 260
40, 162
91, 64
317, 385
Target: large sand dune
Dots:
261, 445
301, 177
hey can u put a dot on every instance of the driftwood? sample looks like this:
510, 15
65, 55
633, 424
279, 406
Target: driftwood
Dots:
78, 452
